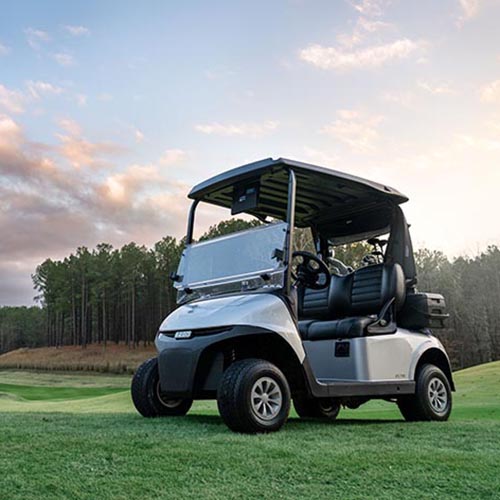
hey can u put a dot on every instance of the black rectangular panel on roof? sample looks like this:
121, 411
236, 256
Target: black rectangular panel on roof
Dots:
245, 198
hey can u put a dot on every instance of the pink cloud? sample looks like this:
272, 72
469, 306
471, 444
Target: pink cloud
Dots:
48, 209
81, 152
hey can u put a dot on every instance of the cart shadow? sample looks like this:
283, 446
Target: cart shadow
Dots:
295, 422
346, 421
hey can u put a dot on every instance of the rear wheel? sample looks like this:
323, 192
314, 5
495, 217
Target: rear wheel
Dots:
432, 398
253, 396
147, 395
316, 407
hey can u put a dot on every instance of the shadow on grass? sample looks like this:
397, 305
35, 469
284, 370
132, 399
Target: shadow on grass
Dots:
296, 422
212, 423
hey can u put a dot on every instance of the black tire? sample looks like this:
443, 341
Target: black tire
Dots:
147, 397
432, 399
238, 397
316, 407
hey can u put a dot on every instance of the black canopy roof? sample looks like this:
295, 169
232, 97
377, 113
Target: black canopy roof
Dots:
337, 204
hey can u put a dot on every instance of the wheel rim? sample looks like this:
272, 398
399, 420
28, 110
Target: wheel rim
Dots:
168, 403
266, 398
438, 395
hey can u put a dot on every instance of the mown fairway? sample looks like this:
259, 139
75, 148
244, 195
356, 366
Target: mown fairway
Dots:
77, 436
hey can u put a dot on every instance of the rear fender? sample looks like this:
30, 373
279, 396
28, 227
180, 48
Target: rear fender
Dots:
436, 356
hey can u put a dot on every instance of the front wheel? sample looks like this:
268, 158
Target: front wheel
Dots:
327, 408
253, 396
147, 396
432, 398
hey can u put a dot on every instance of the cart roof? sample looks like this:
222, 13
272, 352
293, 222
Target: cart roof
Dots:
335, 203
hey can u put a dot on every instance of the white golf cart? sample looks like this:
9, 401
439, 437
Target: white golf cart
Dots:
259, 325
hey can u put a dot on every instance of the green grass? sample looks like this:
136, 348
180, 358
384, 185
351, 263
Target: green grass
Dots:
44, 393
83, 443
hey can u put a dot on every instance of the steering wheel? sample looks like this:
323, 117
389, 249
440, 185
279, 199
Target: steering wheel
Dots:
310, 269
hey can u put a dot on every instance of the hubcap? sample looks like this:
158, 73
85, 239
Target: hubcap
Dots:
266, 398
438, 395
169, 403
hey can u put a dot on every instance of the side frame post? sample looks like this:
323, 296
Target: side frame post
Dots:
290, 218
190, 227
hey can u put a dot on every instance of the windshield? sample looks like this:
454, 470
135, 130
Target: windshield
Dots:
247, 260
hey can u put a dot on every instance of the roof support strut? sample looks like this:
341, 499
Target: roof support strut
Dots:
190, 228
290, 218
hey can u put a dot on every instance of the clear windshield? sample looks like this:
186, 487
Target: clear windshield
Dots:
247, 260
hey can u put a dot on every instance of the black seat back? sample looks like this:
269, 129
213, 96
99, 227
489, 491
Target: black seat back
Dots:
334, 301
373, 286
363, 292
314, 303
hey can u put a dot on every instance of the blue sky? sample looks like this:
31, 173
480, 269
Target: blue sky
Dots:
110, 111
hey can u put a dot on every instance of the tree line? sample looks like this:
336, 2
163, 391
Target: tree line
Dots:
101, 295
471, 287
122, 295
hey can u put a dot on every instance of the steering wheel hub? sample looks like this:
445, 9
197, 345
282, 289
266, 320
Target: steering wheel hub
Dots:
310, 270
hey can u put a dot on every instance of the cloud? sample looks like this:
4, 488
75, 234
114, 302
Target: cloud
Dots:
357, 130
367, 24
16, 286
79, 151
172, 157
77, 30
485, 139
490, 92
479, 143
81, 100
12, 101
121, 188
15, 101
320, 157
64, 59
36, 37
338, 58
440, 89
70, 126
39, 88
469, 10
404, 98
139, 136
364, 46
48, 209
4, 50
372, 8
10, 134
238, 129
363, 28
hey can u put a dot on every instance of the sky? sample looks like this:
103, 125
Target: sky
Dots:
110, 112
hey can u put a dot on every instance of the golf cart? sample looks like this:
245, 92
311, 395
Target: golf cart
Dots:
261, 324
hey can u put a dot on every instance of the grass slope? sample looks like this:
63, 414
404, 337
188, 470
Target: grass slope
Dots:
66, 379
95, 446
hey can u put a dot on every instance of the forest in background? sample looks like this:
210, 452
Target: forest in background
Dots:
122, 295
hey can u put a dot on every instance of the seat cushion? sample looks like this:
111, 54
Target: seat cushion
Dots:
304, 327
347, 328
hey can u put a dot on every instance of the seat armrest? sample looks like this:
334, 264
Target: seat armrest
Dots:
383, 325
